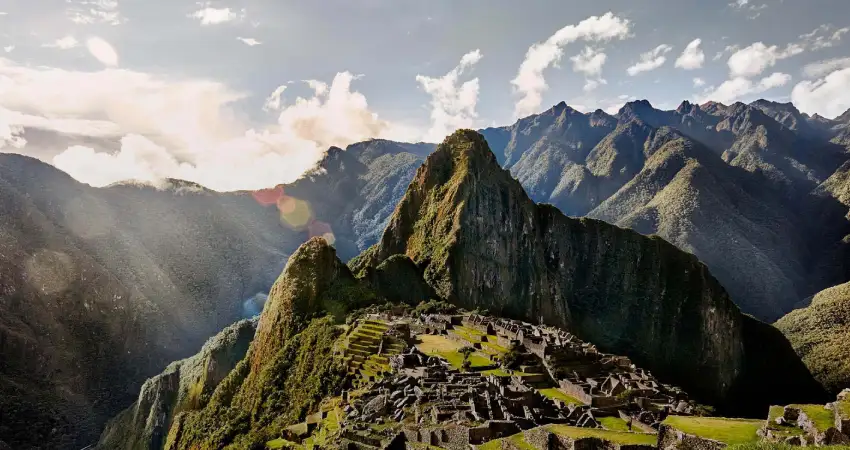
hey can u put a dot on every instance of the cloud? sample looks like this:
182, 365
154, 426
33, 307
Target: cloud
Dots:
11, 134
828, 96
824, 36
738, 87
755, 59
250, 42
699, 82
452, 103
589, 62
8, 48
180, 128
102, 51
83, 12
693, 56
745, 5
208, 15
822, 68
728, 49
650, 60
272, 102
65, 43
529, 82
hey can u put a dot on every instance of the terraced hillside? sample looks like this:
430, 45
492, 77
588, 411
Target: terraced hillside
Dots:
368, 348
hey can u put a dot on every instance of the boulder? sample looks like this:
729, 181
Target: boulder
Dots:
791, 415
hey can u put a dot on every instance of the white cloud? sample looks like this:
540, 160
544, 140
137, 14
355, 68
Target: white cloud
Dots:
822, 68
250, 42
529, 82
699, 82
738, 87
102, 51
83, 12
181, 128
755, 59
8, 48
692, 57
728, 49
272, 103
745, 5
452, 104
828, 96
650, 60
589, 62
11, 134
824, 36
208, 15
64, 43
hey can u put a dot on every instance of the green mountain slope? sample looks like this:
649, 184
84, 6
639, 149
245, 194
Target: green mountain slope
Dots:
820, 334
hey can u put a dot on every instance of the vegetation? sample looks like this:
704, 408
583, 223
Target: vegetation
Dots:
819, 334
777, 446
609, 435
613, 423
728, 431
450, 351
434, 307
557, 394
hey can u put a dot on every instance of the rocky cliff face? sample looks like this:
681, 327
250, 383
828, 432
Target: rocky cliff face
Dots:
820, 333
185, 385
481, 242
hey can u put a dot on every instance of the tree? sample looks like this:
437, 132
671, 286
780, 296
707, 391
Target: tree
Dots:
466, 351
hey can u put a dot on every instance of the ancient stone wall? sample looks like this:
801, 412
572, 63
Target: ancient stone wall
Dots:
670, 438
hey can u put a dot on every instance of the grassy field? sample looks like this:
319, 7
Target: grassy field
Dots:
518, 440
822, 418
613, 423
728, 431
613, 436
448, 349
554, 394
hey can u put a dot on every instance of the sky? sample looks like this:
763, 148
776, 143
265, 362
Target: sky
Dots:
247, 94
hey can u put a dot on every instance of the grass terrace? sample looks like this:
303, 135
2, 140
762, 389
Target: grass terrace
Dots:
783, 430
613, 423
822, 418
447, 349
728, 431
618, 437
518, 440
556, 394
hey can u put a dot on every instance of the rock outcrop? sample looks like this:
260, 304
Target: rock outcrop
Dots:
482, 243
185, 385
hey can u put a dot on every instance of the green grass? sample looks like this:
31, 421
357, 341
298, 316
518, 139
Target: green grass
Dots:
447, 349
786, 430
518, 440
613, 423
556, 394
618, 437
281, 443
844, 407
728, 431
820, 416
777, 446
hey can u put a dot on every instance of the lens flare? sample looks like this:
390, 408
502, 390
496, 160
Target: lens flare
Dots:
295, 213
267, 197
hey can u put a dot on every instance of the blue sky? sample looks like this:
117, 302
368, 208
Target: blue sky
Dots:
113, 89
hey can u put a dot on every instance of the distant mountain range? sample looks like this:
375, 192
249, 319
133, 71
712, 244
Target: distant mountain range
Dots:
101, 288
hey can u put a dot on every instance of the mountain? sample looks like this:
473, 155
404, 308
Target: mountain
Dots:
819, 334
184, 386
103, 287
744, 193
355, 190
290, 366
481, 242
